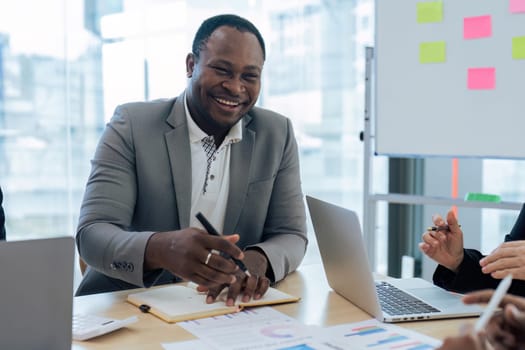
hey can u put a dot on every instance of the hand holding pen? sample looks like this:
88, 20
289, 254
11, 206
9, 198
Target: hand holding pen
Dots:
443, 242
255, 285
444, 228
510, 322
212, 231
494, 303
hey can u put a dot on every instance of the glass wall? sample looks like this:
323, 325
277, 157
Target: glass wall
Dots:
505, 178
66, 64
50, 113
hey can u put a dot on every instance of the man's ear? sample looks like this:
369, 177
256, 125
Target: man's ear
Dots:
190, 64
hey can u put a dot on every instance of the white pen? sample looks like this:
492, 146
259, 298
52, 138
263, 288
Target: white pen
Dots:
493, 303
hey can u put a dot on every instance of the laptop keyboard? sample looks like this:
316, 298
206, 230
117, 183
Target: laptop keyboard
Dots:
394, 301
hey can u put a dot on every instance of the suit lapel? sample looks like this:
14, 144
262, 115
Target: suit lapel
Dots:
241, 156
179, 152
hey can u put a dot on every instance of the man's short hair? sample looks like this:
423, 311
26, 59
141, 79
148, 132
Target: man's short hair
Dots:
211, 24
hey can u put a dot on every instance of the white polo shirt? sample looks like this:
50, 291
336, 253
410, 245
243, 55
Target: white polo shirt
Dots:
210, 173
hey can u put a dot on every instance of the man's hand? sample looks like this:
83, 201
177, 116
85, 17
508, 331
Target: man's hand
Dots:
258, 283
185, 254
467, 340
444, 247
253, 286
508, 258
506, 330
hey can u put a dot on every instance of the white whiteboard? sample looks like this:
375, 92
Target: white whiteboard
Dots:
426, 109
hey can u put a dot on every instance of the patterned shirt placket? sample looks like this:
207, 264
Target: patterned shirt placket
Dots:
208, 144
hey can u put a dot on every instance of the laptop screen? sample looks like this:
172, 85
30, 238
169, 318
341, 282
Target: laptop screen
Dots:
37, 293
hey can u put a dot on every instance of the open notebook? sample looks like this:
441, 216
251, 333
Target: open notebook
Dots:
343, 253
176, 302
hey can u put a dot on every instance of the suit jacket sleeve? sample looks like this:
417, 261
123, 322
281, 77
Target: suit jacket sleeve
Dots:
470, 277
103, 238
284, 238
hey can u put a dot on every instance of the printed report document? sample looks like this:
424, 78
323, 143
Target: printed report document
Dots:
175, 303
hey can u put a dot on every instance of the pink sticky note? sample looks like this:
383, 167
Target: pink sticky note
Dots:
477, 27
516, 6
481, 78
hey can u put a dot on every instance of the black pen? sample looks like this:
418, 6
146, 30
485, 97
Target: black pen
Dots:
439, 228
212, 231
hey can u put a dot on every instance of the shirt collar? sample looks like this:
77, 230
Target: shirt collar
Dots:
197, 134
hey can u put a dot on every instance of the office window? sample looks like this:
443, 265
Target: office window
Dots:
507, 179
66, 64
50, 114
317, 46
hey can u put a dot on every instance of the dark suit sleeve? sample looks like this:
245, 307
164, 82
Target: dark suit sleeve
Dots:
470, 277
2, 217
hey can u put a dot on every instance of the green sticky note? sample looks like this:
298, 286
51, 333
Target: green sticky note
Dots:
432, 52
482, 197
429, 12
518, 48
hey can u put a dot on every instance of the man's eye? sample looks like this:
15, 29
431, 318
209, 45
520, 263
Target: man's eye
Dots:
220, 70
251, 77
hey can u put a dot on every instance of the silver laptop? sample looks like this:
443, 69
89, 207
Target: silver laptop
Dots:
345, 261
36, 293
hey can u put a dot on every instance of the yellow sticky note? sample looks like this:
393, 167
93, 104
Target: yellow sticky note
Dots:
429, 12
518, 48
432, 52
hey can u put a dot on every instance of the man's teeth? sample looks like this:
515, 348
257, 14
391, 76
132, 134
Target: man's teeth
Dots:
226, 102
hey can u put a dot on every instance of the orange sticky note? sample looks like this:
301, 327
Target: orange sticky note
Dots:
516, 6
481, 78
477, 27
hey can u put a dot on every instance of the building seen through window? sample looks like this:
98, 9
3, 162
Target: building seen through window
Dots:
66, 64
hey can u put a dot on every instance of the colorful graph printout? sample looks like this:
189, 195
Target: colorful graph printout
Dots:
477, 27
372, 334
432, 52
518, 48
250, 329
481, 78
267, 329
517, 6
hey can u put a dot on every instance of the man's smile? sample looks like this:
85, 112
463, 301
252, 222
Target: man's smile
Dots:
226, 102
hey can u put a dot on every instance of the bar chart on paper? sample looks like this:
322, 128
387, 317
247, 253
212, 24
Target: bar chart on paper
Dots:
258, 328
373, 334
265, 328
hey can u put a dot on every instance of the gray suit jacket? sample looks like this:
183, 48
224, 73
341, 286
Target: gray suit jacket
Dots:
140, 183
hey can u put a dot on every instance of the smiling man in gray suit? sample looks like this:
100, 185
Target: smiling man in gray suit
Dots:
211, 151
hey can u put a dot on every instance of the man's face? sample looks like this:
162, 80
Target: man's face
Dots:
225, 80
